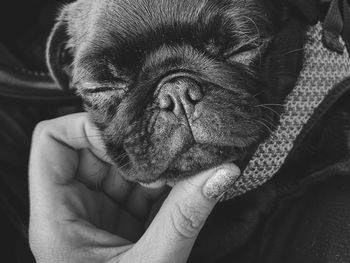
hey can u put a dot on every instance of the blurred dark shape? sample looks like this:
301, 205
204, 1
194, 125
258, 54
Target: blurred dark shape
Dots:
24, 27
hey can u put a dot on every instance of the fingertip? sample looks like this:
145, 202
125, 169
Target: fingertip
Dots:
222, 179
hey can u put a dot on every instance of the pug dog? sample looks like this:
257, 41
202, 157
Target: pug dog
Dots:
178, 86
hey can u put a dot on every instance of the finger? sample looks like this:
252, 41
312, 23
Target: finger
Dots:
141, 201
57, 221
55, 145
54, 163
98, 175
116, 187
76, 131
54, 159
80, 242
92, 170
129, 227
182, 215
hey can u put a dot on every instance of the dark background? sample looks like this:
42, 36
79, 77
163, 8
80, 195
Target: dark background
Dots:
24, 28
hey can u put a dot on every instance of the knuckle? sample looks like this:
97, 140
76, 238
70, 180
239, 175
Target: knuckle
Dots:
41, 128
47, 128
187, 220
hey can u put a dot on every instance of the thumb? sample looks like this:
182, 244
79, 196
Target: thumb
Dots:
175, 228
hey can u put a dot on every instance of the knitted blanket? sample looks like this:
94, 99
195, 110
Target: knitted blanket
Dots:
322, 70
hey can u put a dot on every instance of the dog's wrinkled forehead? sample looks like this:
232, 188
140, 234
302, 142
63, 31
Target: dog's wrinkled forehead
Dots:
133, 27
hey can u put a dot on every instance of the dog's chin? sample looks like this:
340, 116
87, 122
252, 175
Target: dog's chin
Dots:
190, 163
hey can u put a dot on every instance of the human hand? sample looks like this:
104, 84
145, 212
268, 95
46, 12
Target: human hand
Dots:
82, 210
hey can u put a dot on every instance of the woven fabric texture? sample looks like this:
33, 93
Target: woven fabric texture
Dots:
322, 70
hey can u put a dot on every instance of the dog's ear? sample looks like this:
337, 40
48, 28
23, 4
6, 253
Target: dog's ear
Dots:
58, 56
283, 61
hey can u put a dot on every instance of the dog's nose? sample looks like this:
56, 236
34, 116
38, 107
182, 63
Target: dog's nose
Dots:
179, 96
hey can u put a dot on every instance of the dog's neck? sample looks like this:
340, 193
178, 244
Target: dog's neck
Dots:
322, 70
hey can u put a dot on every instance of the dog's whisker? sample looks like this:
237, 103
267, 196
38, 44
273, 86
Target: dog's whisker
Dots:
251, 39
268, 129
122, 154
258, 93
268, 108
271, 104
270, 123
292, 51
125, 165
256, 26
121, 157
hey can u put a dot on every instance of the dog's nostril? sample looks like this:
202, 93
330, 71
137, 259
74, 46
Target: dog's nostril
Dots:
179, 96
194, 95
166, 103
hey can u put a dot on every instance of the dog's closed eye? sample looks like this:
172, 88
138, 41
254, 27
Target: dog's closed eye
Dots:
246, 53
119, 87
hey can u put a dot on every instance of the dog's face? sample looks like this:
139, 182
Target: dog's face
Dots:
174, 86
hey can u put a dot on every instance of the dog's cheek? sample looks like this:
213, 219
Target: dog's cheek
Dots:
199, 157
101, 107
226, 118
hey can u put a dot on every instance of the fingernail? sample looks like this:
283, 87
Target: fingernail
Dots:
220, 182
